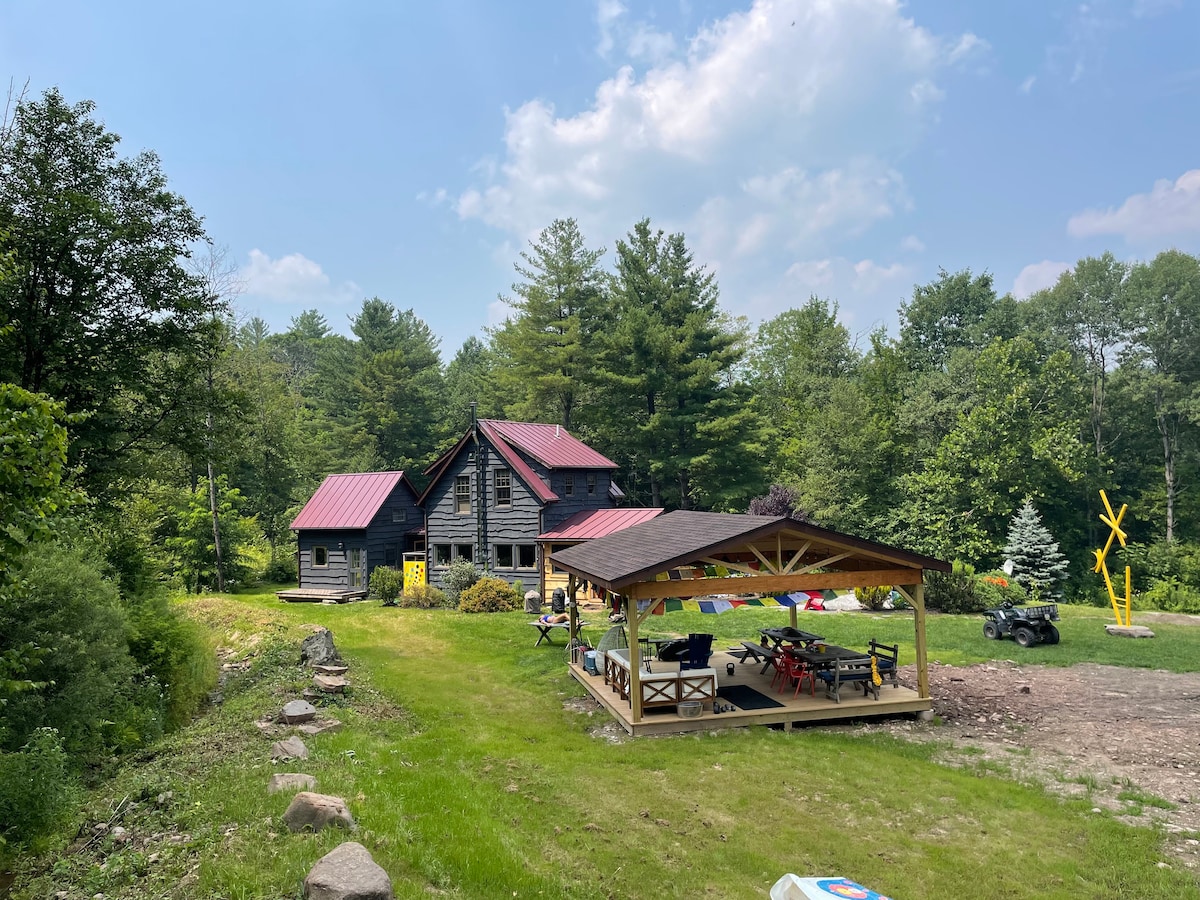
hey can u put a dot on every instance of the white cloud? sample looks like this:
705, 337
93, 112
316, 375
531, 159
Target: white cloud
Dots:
1027, 84
292, 278
913, 244
1038, 276
967, 46
608, 13
842, 278
1170, 209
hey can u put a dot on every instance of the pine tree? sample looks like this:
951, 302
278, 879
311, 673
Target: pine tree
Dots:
1037, 563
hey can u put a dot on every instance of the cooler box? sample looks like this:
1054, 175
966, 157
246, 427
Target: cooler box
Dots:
591, 662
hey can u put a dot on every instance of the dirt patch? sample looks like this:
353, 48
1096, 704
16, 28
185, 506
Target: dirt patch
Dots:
1126, 740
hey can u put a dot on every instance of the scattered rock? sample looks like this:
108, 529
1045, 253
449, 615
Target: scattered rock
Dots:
330, 684
216, 698
1025, 689
312, 812
320, 726
347, 872
298, 711
120, 835
290, 781
310, 694
289, 748
1133, 631
331, 670
318, 649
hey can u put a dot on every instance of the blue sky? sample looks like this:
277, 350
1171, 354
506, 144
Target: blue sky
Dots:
844, 148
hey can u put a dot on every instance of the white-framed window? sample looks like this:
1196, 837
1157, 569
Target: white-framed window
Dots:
526, 556
442, 554
357, 558
465, 551
320, 557
503, 487
504, 556
591, 483
569, 484
462, 494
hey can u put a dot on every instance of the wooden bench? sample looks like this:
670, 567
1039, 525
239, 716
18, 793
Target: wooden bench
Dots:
849, 671
759, 653
887, 658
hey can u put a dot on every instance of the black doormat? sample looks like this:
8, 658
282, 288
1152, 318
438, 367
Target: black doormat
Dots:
746, 697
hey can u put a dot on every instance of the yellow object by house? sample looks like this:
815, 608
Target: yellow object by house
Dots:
414, 570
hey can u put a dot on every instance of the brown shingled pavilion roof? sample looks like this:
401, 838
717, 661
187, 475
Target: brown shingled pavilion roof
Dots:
771, 545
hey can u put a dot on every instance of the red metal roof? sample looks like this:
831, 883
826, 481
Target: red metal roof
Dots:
519, 465
348, 501
551, 445
597, 523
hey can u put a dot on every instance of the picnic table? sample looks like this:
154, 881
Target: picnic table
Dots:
788, 635
546, 628
822, 656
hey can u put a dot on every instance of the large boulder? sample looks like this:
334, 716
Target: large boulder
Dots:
318, 649
290, 781
347, 872
312, 812
297, 711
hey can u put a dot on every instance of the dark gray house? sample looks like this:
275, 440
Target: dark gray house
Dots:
352, 524
500, 487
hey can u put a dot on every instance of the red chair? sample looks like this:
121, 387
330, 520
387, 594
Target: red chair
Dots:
797, 670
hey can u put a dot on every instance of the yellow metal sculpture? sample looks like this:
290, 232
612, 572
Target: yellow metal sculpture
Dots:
1114, 523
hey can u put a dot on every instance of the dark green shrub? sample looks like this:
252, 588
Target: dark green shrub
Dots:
1170, 595
173, 651
386, 584
995, 588
424, 596
953, 591
459, 576
97, 695
488, 595
36, 787
280, 569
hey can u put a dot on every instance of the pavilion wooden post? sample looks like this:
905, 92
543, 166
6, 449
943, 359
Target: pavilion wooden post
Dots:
635, 658
573, 610
918, 601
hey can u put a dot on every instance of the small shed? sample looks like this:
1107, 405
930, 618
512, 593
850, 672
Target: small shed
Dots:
690, 554
352, 524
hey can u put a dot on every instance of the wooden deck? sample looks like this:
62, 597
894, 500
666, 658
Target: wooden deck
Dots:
803, 709
320, 595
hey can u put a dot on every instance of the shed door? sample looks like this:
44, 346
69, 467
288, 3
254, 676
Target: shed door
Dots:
358, 561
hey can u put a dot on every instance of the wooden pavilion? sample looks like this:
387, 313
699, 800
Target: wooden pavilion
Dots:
730, 554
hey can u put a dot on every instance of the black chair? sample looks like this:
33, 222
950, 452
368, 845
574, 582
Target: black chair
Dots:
698, 652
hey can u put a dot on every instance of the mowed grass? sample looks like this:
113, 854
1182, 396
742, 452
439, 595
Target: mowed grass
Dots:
470, 778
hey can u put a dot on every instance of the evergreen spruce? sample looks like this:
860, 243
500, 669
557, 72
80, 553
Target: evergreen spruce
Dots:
1038, 565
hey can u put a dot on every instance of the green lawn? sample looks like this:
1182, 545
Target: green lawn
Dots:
469, 778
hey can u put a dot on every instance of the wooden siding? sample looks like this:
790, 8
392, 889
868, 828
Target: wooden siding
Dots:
337, 574
519, 523
388, 541
561, 510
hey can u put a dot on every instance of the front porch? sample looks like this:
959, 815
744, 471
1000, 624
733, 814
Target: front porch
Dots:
803, 708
